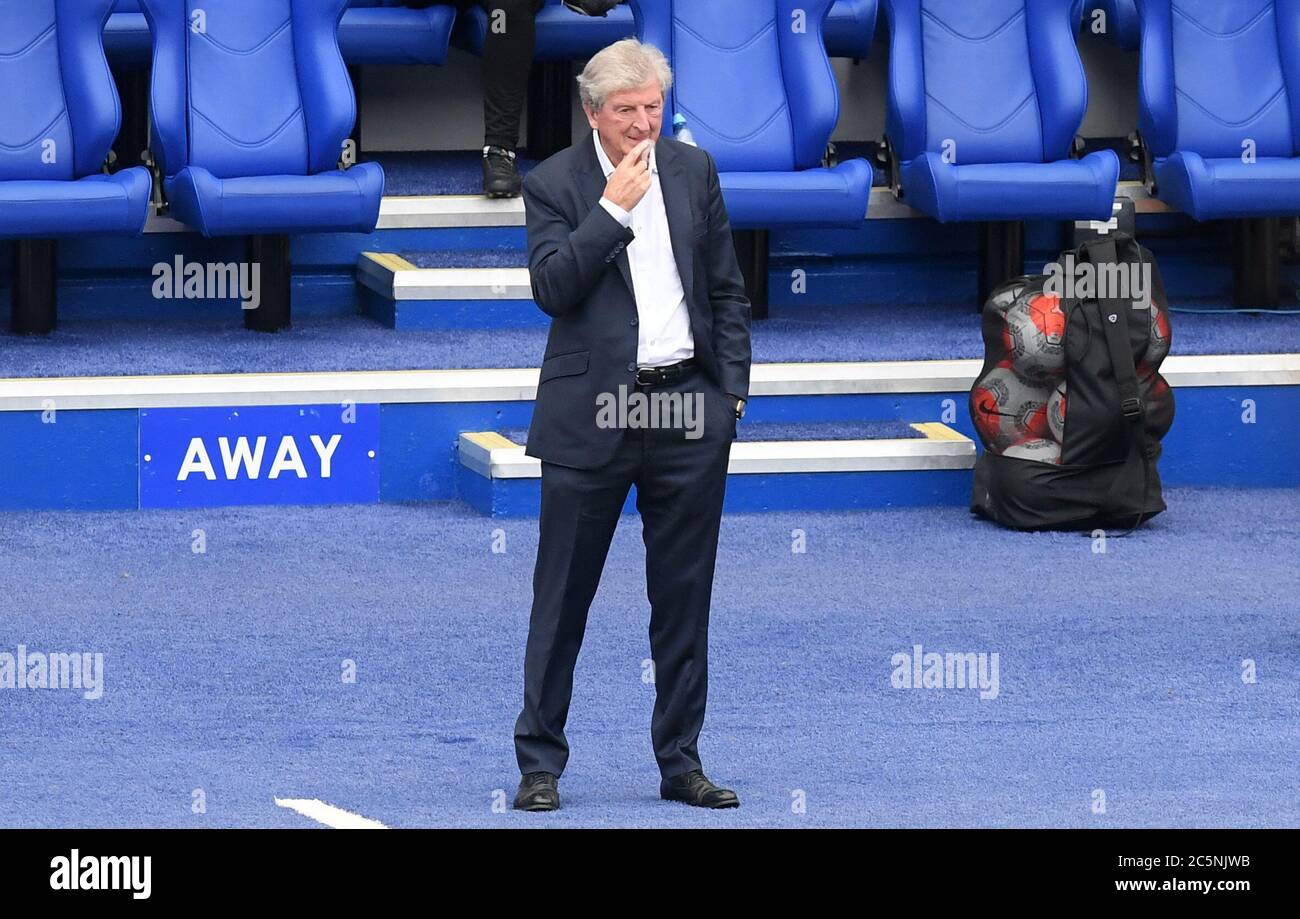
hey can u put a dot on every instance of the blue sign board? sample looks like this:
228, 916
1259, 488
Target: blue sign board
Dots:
268, 454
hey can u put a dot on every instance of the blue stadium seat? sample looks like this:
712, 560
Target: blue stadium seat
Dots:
851, 28
56, 128
1220, 80
562, 34
1219, 118
372, 32
250, 116
768, 150
984, 103
57, 125
387, 32
250, 113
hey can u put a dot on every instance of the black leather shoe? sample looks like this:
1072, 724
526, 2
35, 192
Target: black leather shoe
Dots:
538, 791
694, 788
500, 174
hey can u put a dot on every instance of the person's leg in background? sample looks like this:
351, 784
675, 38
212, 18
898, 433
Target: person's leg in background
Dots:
507, 60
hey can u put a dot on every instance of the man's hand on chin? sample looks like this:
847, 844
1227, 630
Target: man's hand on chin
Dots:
630, 180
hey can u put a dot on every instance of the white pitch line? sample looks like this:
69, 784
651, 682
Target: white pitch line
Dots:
329, 815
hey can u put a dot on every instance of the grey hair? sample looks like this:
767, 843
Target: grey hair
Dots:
626, 64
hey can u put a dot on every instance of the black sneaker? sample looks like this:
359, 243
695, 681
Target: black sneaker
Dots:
500, 175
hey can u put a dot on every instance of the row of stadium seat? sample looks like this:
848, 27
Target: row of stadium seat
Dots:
249, 117
1083, 188
392, 32
388, 32
984, 102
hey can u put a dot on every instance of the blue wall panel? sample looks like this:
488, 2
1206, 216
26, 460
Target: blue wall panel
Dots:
418, 444
439, 315
89, 459
759, 493
1214, 442
68, 460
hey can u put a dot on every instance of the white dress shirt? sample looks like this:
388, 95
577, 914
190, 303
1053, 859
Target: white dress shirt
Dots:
663, 319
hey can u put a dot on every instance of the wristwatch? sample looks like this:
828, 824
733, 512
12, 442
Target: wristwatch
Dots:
740, 407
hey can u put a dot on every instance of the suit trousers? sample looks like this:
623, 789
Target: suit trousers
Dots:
680, 484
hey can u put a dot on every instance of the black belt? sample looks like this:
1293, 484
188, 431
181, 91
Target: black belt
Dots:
658, 376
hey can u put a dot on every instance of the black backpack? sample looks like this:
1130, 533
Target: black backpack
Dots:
1070, 404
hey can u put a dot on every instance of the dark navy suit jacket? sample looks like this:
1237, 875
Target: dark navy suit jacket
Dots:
581, 277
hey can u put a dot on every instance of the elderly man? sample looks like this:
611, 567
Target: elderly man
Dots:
631, 254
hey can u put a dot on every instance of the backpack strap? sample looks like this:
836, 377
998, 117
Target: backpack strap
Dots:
1115, 321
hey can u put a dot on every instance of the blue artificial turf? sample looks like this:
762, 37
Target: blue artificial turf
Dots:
1119, 672
841, 333
453, 172
468, 258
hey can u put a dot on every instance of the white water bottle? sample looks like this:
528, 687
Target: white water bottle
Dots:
681, 132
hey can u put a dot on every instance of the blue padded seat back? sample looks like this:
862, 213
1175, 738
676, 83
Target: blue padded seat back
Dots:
1217, 74
998, 81
246, 112
261, 89
751, 78
61, 112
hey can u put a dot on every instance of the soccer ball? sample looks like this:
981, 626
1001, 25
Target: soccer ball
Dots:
1056, 413
1158, 399
1005, 296
1038, 450
1161, 337
1035, 337
1008, 410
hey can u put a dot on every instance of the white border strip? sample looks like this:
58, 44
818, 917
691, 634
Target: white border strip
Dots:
449, 211
329, 815
765, 457
520, 385
414, 212
433, 284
